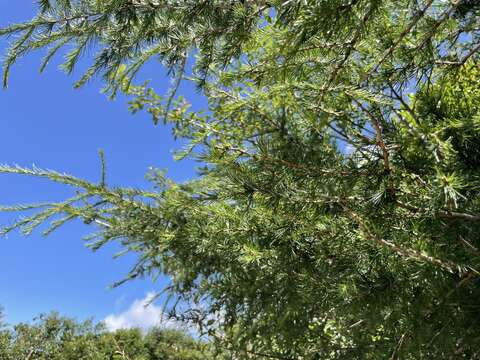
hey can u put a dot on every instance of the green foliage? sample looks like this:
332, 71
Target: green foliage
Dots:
173, 345
52, 337
336, 214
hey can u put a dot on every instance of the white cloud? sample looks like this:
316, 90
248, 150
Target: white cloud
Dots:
140, 315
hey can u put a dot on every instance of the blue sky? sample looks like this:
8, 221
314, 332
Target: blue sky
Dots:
44, 121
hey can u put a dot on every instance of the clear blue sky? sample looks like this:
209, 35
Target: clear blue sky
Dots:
44, 121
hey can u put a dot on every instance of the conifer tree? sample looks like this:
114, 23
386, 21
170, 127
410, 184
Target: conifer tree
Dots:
336, 214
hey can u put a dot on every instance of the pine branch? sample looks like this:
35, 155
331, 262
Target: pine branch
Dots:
447, 265
401, 37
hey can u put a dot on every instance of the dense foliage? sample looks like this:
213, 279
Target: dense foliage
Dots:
336, 214
52, 337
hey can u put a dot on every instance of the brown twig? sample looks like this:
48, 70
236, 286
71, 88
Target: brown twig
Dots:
378, 131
